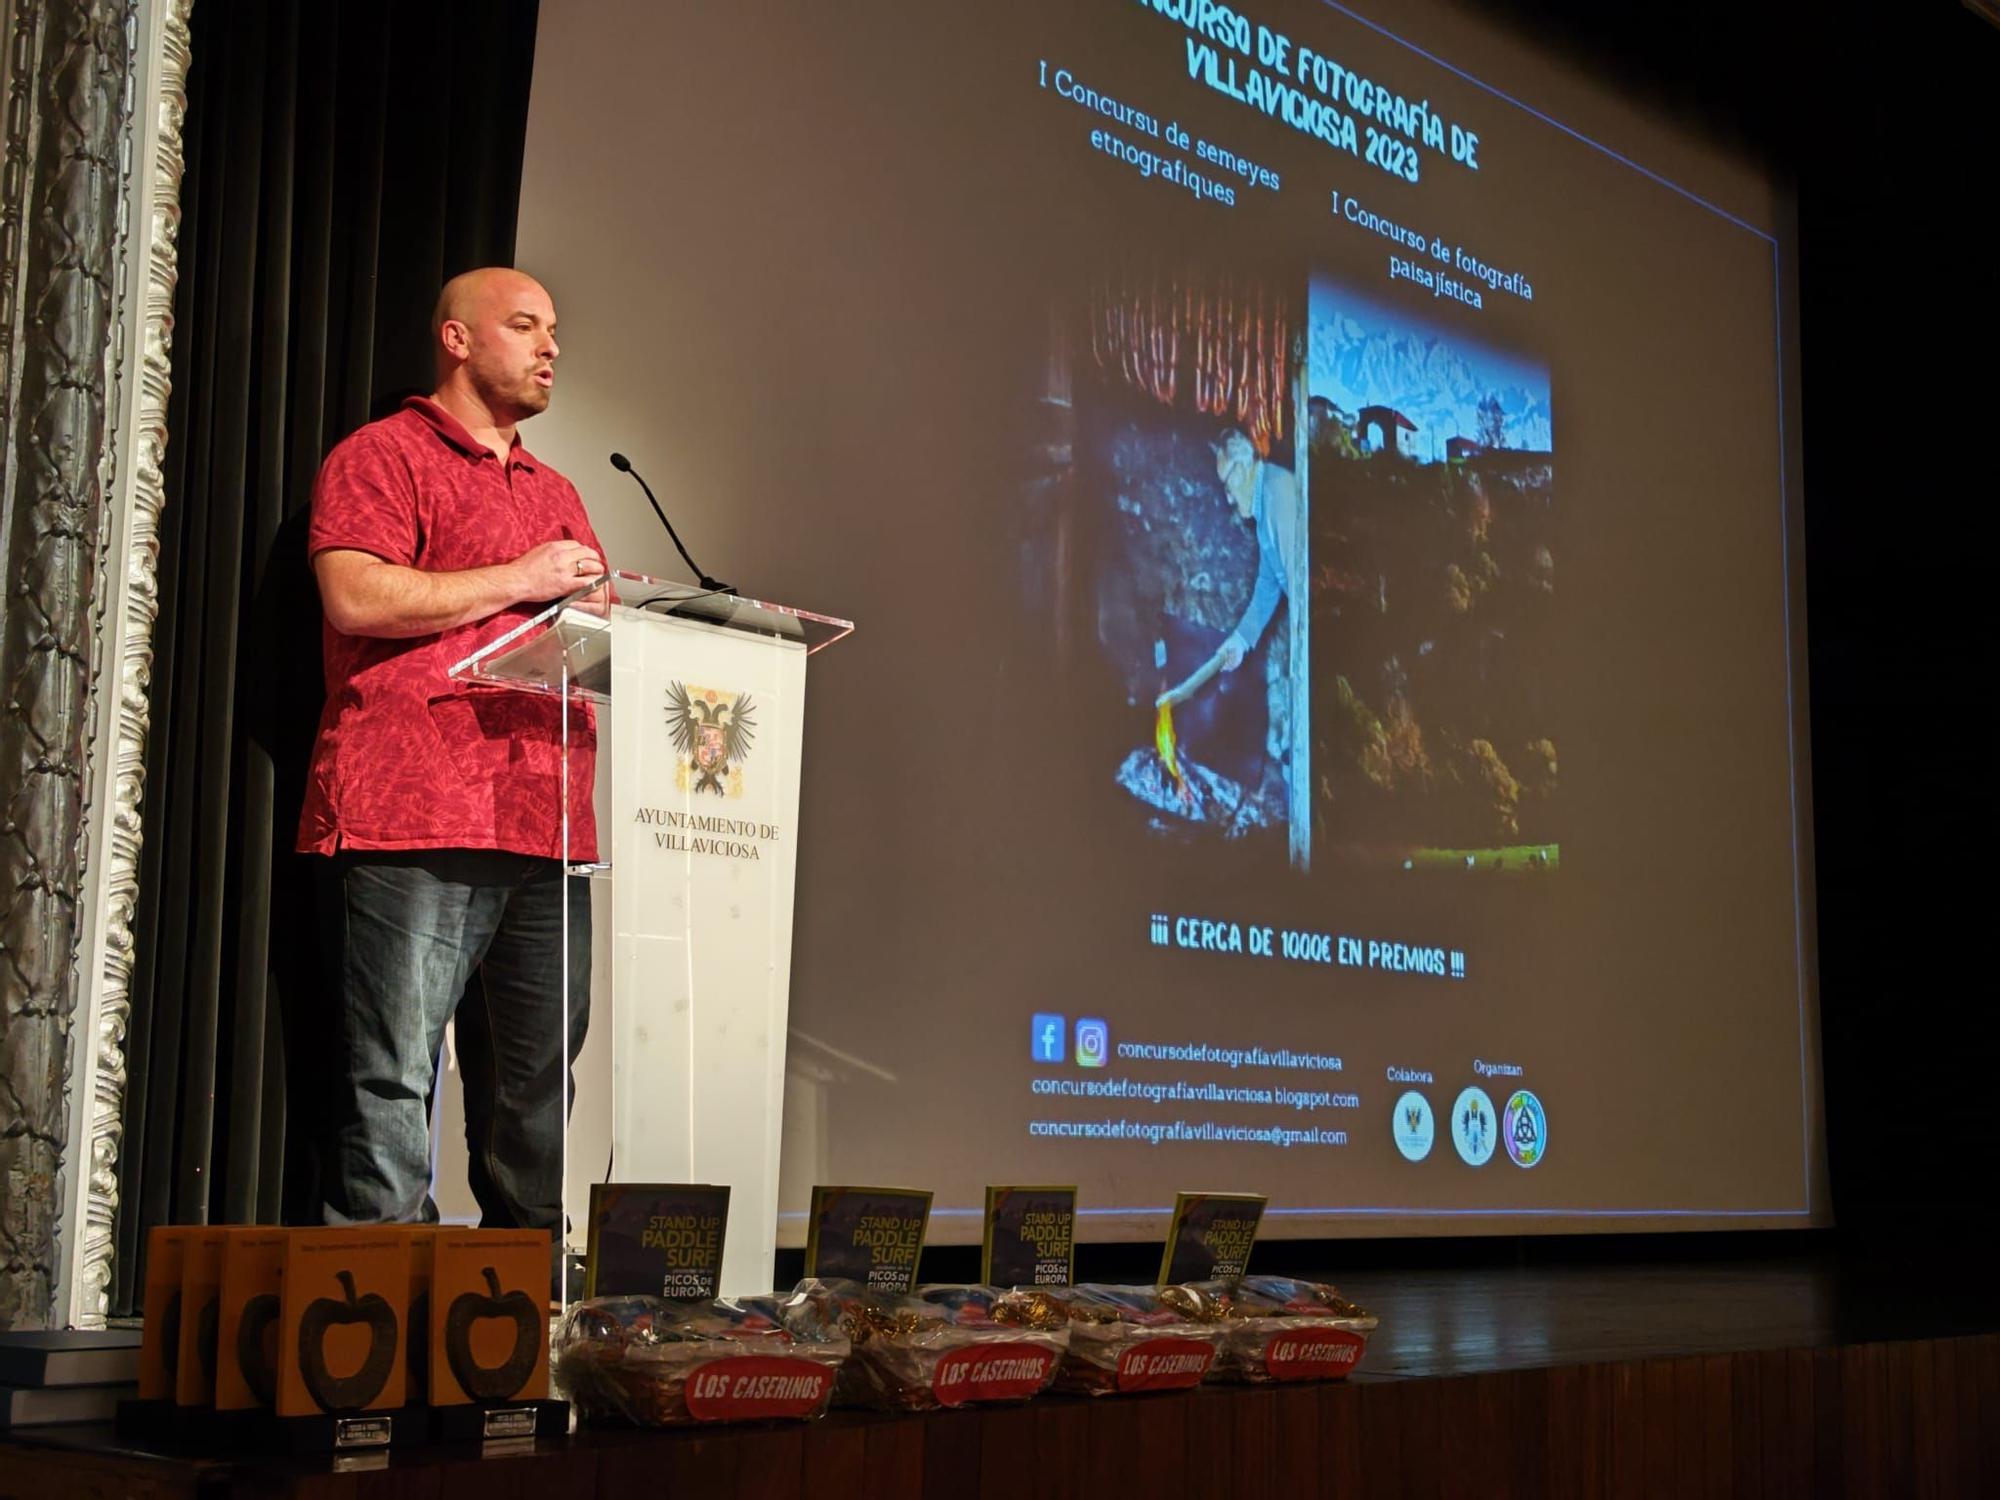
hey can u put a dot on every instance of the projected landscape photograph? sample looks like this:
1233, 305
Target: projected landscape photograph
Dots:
1432, 539
1179, 523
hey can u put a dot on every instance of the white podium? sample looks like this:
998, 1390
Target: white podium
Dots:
705, 698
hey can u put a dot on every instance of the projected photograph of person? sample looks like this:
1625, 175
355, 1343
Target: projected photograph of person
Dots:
1182, 529
1433, 544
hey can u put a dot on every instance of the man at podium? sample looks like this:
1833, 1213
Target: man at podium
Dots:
439, 806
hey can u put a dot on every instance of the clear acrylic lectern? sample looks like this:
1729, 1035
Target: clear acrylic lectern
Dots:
697, 837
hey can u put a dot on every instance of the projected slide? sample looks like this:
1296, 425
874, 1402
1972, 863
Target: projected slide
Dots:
1432, 483
1313, 485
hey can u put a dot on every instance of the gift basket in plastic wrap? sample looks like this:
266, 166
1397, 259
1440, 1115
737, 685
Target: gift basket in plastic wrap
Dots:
655, 1363
1136, 1338
1276, 1328
942, 1346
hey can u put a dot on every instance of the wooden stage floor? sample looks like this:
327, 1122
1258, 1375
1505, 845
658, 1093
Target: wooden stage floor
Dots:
1724, 1375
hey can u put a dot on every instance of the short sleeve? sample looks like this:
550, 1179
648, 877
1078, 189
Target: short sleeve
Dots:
365, 500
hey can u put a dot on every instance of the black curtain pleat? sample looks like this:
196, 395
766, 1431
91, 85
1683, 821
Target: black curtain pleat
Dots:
342, 161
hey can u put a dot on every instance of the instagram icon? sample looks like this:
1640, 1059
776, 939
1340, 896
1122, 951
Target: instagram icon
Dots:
1093, 1043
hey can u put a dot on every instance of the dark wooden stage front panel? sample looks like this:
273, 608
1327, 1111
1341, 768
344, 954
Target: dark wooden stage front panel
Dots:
1917, 1418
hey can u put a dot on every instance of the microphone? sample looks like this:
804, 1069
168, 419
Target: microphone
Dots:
624, 466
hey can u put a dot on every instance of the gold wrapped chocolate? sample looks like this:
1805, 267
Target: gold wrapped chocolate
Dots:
1339, 1306
1029, 1310
862, 1321
1193, 1304
1095, 1315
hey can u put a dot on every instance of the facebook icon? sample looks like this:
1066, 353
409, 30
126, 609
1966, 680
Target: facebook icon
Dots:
1045, 1038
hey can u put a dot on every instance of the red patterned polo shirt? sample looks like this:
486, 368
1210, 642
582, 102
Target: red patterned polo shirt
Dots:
406, 757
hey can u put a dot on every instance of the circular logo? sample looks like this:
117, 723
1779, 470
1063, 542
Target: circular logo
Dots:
1474, 1127
1525, 1129
1414, 1126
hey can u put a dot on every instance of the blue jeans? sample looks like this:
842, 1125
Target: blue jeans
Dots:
423, 936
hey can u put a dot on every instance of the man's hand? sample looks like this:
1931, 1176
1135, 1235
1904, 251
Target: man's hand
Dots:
1232, 654
554, 569
597, 602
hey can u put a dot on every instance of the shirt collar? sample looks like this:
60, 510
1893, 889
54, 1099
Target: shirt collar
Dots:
448, 427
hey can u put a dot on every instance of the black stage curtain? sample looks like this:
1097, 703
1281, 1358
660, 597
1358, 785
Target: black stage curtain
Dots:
342, 161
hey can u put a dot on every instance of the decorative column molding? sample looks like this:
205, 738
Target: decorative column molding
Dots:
69, 66
88, 195
125, 609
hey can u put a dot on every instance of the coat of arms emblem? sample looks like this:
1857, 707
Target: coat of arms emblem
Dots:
712, 732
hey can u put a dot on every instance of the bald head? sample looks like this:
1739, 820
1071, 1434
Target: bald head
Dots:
494, 331
469, 293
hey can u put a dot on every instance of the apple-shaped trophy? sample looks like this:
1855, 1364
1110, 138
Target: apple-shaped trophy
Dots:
494, 1382
349, 1392
260, 1315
